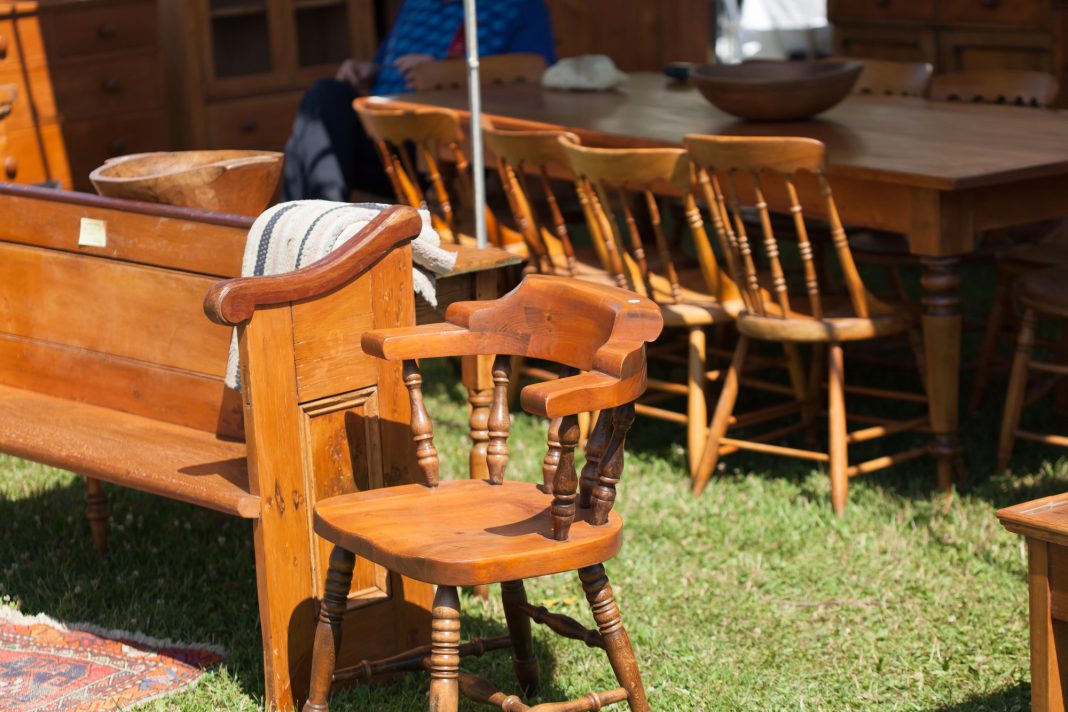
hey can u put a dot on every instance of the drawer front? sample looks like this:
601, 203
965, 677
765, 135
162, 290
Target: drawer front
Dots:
109, 86
38, 93
1000, 12
262, 123
20, 41
891, 44
90, 143
994, 49
881, 10
76, 32
23, 161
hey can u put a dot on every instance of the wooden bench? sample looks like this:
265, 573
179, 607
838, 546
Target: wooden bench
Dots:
110, 369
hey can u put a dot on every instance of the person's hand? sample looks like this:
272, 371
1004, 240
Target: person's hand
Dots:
358, 74
408, 62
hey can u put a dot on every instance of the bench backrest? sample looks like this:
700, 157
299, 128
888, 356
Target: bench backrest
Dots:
117, 320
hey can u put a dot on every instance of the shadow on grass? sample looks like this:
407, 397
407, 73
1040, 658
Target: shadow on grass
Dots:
1016, 698
175, 571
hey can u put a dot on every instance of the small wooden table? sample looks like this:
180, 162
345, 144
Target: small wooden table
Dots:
936, 172
1045, 524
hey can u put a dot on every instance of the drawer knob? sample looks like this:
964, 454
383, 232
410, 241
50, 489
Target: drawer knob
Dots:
106, 31
11, 167
117, 147
111, 86
249, 126
3, 46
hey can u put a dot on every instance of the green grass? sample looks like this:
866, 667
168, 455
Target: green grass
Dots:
753, 597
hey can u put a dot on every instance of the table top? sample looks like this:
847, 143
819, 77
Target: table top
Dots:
942, 145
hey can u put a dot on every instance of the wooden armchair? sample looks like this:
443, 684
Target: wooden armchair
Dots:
473, 532
737, 171
513, 68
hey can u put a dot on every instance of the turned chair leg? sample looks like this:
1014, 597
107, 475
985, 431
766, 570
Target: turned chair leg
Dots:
1021, 361
616, 641
97, 512
810, 415
994, 324
328, 631
514, 594
445, 651
697, 409
839, 449
728, 395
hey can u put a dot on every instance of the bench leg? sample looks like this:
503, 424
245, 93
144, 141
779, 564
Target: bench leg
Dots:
97, 512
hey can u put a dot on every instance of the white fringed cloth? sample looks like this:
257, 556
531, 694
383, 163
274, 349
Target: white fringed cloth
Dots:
292, 235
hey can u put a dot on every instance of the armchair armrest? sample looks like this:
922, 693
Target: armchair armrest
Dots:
232, 301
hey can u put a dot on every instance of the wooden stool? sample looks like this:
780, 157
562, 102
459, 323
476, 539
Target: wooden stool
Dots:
731, 169
1045, 524
474, 532
1042, 293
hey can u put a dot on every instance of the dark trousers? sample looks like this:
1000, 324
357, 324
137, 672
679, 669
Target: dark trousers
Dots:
329, 155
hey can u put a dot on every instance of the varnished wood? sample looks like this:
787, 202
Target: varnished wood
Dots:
515, 68
882, 77
233, 301
328, 629
996, 87
471, 532
143, 404
775, 312
239, 182
97, 513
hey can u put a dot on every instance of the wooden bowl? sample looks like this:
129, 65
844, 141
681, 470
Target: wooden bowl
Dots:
776, 91
239, 182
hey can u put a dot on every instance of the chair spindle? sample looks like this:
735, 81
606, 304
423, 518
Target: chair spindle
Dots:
610, 468
499, 421
565, 480
771, 247
559, 224
662, 246
422, 427
595, 447
804, 246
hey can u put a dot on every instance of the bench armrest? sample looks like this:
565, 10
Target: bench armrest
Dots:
233, 301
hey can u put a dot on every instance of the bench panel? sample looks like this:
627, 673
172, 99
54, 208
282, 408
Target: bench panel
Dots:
172, 395
176, 238
128, 450
114, 307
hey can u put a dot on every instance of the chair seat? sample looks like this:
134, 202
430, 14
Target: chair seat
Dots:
837, 324
1021, 259
1045, 291
464, 532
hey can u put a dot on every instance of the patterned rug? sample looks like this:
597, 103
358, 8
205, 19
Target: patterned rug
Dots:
46, 665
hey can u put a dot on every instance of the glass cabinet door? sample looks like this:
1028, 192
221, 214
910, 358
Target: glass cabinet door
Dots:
240, 37
322, 32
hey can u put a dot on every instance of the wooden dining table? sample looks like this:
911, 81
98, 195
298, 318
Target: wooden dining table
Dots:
936, 172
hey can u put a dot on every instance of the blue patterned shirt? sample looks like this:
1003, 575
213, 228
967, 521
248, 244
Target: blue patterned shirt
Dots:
433, 26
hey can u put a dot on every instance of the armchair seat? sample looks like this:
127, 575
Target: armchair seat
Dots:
469, 532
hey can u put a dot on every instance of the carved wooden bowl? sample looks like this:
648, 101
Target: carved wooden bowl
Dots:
776, 91
239, 182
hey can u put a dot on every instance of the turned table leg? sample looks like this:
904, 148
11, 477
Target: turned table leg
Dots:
97, 512
941, 334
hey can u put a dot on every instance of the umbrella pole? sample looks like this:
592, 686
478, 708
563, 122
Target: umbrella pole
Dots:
474, 97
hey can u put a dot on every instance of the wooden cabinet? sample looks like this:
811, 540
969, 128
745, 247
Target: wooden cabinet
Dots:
240, 67
90, 80
956, 35
636, 34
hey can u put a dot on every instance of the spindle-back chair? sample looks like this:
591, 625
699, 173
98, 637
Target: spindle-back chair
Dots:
405, 137
885, 78
1042, 293
474, 532
512, 68
996, 86
736, 172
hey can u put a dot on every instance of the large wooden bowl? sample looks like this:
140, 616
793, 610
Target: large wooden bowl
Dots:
776, 91
239, 182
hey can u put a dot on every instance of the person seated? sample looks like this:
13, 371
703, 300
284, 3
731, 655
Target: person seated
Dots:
328, 155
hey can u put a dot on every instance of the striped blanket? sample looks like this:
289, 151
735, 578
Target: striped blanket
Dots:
292, 235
